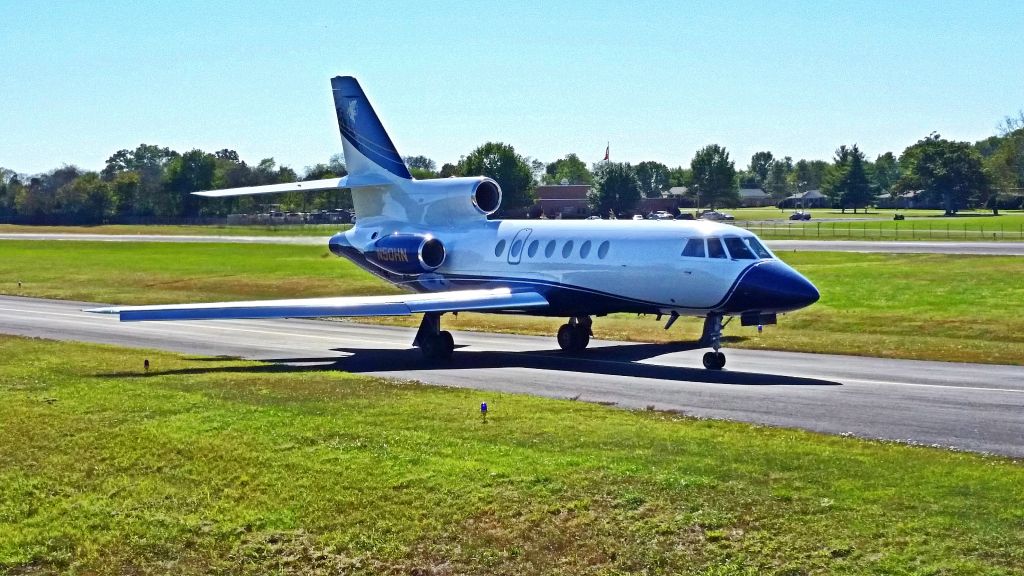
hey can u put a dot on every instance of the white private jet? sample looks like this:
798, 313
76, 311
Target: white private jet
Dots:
433, 238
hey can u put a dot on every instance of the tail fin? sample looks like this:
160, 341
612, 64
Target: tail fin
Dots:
368, 149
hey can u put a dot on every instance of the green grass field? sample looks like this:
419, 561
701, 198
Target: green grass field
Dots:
171, 230
941, 307
215, 466
771, 223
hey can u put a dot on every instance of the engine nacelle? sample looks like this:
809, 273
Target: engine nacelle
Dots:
407, 253
487, 196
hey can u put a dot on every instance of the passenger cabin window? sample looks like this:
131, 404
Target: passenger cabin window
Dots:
517, 247
585, 249
694, 248
532, 250
567, 249
602, 250
757, 247
715, 249
738, 248
549, 249
499, 248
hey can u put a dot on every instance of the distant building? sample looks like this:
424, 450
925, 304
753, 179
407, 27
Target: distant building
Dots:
809, 199
561, 201
754, 197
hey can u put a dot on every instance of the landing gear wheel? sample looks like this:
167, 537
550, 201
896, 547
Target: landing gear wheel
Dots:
714, 360
438, 346
573, 338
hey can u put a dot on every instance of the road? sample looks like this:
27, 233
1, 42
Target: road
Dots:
978, 248
965, 406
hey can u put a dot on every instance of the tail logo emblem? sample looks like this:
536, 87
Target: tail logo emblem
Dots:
351, 112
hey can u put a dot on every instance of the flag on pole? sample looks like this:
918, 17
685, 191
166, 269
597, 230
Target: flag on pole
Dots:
606, 148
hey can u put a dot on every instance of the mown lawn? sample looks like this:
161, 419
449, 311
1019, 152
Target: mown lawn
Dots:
216, 466
924, 306
182, 230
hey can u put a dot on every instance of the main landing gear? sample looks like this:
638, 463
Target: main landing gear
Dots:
712, 337
574, 336
436, 344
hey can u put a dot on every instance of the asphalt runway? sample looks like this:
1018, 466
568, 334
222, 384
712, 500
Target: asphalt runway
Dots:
914, 247
965, 406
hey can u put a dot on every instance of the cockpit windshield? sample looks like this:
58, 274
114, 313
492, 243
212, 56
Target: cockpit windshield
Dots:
738, 249
757, 247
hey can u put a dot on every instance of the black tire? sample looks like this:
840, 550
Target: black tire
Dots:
714, 360
438, 346
582, 339
447, 343
565, 337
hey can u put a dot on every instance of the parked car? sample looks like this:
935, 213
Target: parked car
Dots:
593, 217
801, 215
684, 216
716, 215
661, 215
638, 217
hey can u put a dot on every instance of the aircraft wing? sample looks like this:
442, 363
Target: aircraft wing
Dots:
397, 305
307, 186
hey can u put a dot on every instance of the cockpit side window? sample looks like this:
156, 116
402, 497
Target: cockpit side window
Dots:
715, 249
694, 248
738, 248
757, 247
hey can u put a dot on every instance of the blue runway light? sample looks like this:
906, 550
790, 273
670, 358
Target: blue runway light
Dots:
483, 407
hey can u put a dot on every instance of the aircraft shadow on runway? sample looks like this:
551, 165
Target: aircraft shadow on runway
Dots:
615, 360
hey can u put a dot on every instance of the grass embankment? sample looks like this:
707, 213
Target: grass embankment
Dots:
219, 466
879, 225
172, 230
941, 307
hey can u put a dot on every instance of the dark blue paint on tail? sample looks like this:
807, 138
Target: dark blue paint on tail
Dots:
361, 128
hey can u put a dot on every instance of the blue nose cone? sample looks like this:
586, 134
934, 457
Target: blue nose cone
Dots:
771, 286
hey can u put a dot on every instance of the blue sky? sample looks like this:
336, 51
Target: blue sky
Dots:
80, 80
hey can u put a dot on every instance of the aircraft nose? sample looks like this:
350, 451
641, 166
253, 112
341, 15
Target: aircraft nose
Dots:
772, 286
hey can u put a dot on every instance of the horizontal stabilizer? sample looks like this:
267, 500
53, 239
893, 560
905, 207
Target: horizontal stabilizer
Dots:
396, 305
308, 186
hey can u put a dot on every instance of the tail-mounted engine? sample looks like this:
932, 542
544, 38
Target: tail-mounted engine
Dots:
410, 254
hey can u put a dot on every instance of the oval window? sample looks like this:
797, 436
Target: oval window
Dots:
567, 249
532, 250
549, 249
499, 248
585, 249
517, 247
602, 250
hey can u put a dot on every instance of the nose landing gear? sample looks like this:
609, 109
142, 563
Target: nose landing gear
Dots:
574, 336
712, 337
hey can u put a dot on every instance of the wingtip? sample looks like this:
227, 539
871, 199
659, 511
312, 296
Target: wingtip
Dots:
106, 310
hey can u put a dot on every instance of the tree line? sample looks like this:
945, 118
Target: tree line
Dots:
153, 183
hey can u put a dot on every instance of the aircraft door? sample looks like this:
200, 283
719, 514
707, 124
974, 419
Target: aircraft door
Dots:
518, 245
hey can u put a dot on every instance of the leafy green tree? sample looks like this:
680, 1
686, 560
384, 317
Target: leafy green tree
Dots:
808, 175
847, 183
449, 170
570, 169
421, 163
511, 171
85, 200
653, 178
760, 164
777, 181
679, 176
945, 169
191, 172
886, 172
615, 189
714, 177
8, 182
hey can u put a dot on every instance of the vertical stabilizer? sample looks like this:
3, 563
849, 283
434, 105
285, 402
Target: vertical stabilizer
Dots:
368, 149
